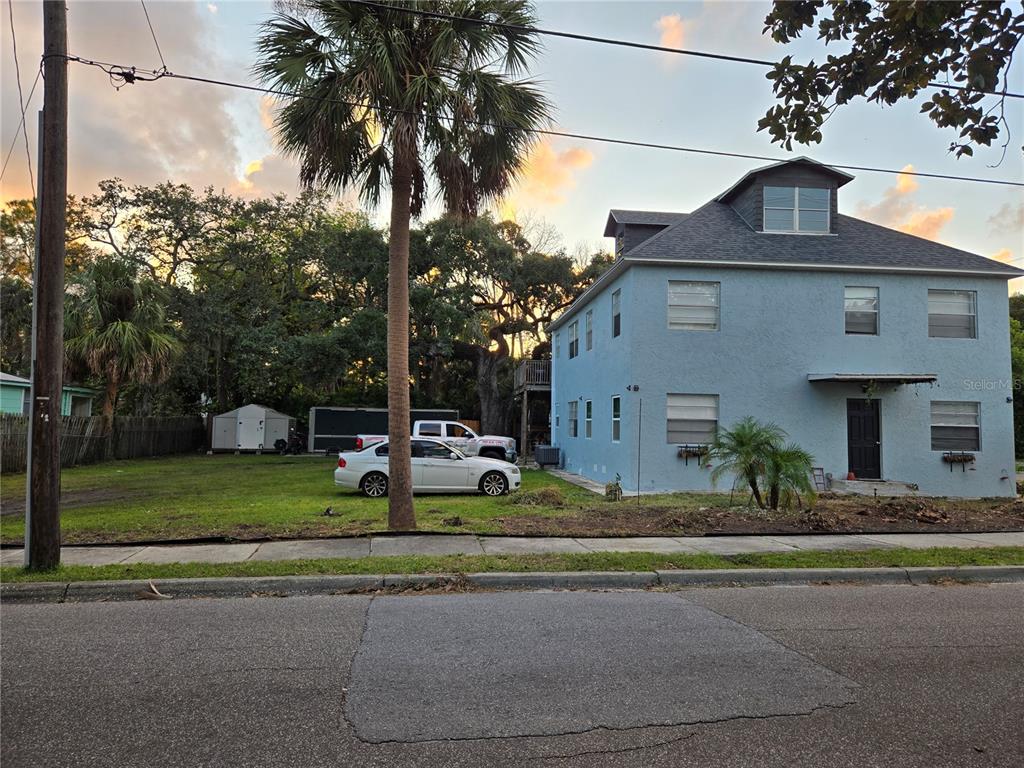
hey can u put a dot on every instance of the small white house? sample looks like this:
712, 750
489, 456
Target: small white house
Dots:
249, 428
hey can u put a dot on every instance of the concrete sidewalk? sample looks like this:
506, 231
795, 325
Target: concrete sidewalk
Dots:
384, 546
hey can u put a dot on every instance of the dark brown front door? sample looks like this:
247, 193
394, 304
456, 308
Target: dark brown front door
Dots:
864, 438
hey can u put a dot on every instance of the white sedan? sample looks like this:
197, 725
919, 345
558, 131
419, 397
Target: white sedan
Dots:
436, 468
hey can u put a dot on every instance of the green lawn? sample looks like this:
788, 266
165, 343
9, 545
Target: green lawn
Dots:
604, 561
253, 497
246, 497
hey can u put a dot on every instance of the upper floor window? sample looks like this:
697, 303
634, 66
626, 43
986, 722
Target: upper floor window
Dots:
616, 313
955, 426
692, 419
590, 329
796, 209
693, 306
574, 339
953, 314
861, 306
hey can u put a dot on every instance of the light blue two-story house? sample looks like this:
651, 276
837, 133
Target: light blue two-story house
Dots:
883, 354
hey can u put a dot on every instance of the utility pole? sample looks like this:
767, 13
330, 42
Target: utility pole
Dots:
43, 541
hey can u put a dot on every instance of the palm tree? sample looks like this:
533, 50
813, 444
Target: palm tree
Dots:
787, 474
388, 99
743, 452
116, 329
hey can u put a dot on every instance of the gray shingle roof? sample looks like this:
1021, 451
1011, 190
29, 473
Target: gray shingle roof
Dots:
644, 218
716, 233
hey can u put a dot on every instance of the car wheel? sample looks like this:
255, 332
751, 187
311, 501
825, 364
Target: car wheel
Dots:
494, 484
493, 454
375, 485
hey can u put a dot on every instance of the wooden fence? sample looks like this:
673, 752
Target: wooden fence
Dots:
82, 440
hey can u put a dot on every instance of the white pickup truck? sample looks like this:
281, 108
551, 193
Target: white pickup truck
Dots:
457, 434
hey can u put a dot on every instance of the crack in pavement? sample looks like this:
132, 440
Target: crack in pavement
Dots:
592, 729
347, 675
592, 752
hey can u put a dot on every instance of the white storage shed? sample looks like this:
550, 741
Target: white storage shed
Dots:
249, 428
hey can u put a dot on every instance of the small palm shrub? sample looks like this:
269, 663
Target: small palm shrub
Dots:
757, 455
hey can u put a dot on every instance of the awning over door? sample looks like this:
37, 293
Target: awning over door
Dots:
867, 378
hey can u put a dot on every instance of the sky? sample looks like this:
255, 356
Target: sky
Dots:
207, 136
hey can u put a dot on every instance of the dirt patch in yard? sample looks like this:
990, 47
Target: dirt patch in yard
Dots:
70, 499
829, 514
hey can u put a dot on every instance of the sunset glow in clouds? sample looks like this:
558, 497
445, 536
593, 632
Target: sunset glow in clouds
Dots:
899, 210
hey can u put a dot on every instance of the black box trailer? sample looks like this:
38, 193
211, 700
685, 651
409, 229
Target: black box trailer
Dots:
334, 429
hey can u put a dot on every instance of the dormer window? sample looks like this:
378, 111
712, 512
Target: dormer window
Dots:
796, 209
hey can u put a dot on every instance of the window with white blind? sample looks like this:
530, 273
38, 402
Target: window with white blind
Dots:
588, 419
574, 410
861, 305
693, 306
796, 209
692, 419
574, 339
590, 329
616, 313
616, 418
953, 314
956, 426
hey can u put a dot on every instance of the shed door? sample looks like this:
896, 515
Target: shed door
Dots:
864, 437
250, 433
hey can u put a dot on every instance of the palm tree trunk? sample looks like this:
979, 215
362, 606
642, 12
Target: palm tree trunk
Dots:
756, 491
401, 516
109, 402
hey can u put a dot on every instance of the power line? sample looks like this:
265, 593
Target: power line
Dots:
21, 104
153, 33
10, 150
121, 74
616, 41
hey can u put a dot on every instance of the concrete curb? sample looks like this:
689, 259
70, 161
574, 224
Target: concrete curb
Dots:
94, 591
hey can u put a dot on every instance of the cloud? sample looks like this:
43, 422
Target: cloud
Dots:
1005, 255
1008, 219
144, 133
267, 113
726, 27
672, 30
898, 210
547, 176
267, 176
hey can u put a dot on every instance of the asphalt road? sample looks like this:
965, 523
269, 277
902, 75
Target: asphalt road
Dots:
814, 676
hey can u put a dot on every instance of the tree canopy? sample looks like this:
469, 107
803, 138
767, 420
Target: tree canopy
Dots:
890, 51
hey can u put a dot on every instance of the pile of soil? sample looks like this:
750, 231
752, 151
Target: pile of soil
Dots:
829, 514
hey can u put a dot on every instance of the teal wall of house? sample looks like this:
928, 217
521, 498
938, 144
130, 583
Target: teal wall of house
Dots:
74, 400
11, 398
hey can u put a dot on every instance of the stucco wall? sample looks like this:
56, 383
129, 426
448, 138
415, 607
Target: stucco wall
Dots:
597, 375
778, 326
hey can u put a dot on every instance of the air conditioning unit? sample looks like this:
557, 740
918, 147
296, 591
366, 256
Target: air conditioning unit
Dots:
546, 456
